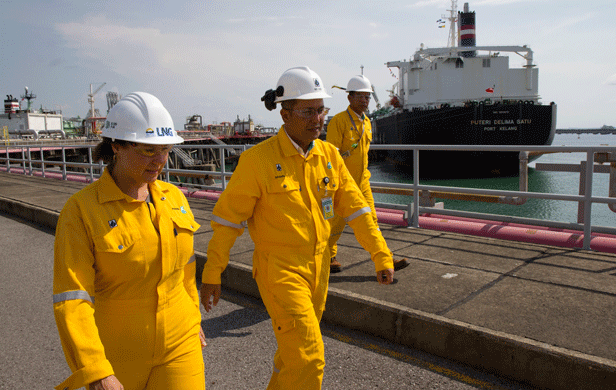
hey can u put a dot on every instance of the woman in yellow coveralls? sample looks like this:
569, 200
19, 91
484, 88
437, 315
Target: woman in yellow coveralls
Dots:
351, 132
125, 296
287, 188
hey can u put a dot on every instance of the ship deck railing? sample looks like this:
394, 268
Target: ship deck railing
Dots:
29, 159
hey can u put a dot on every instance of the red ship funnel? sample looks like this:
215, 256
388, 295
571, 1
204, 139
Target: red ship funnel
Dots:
11, 105
466, 25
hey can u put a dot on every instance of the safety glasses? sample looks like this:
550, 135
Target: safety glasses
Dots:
360, 97
151, 150
308, 113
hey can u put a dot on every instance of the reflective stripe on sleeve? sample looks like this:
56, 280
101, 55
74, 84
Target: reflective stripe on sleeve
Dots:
357, 214
71, 295
227, 223
191, 260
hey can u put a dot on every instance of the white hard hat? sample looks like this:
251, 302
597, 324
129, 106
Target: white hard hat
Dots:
300, 83
359, 83
141, 117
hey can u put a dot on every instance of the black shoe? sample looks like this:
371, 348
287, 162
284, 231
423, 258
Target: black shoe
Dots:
398, 264
334, 266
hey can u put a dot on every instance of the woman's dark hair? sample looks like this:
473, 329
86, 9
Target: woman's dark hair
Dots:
104, 151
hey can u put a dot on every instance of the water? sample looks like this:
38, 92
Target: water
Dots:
538, 181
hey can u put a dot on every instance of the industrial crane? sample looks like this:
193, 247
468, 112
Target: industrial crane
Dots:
90, 128
91, 98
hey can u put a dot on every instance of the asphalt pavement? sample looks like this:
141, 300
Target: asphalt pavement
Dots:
240, 340
541, 315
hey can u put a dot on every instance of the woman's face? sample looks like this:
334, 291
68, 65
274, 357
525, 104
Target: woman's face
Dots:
140, 163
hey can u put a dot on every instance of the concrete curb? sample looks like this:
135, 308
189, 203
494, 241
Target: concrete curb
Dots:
517, 358
505, 355
30, 212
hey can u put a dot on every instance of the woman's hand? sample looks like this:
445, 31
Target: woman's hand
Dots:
108, 383
202, 338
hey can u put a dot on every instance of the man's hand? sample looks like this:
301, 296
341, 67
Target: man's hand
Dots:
211, 291
385, 276
108, 383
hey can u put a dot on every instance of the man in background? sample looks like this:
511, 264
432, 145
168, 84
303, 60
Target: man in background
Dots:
351, 132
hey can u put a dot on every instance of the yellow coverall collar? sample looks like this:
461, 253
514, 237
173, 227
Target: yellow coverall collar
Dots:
360, 117
109, 190
289, 147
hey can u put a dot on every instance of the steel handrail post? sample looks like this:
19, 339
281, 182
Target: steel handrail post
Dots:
23, 160
581, 191
415, 221
91, 164
29, 162
222, 168
8, 160
42, 163
612, 185
588, 199
64, 163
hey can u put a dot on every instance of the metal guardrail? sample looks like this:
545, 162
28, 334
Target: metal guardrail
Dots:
586, 200
93, 169
16, 143
605, 154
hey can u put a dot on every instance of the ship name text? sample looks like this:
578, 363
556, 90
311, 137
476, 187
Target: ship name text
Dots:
488, 122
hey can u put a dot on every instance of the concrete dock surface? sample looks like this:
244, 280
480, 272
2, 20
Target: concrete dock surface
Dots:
541, 315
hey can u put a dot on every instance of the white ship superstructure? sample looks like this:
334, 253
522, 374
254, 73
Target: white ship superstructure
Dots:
457, 75
27, 123
441, 76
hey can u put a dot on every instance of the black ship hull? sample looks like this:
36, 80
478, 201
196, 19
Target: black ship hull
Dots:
520, 123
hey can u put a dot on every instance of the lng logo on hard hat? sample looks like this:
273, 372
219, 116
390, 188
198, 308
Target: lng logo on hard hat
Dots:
160, 132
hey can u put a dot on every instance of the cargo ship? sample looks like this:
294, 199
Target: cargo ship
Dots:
464, 94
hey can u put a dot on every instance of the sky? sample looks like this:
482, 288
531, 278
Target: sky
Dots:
217, 58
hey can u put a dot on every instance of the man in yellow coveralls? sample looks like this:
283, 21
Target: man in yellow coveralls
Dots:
287, 188
351, 132
124, 292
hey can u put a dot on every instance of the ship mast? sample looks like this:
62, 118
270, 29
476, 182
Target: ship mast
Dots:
28, 97
452, 41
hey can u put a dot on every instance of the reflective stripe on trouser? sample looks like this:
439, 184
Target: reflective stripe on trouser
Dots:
146, 355
338, 223
300, 358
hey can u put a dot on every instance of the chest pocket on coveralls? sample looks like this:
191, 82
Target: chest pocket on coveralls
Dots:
332, 185
283, 198
184, 228
120, 252
349, 138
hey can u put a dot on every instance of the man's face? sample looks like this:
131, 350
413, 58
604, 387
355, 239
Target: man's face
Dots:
303, 123
359, 101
